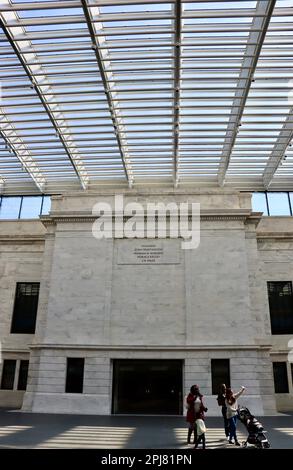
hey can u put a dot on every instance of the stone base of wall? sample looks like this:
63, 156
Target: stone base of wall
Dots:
46, 386
100, 405
11, 399
61, 403
284, 402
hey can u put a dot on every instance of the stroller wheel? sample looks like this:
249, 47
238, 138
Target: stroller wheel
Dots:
266, 445
244, 444
259, 445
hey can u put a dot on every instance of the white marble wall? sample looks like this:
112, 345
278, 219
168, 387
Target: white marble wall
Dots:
95, 300
212, 304
47, 383
275, 248
21, 257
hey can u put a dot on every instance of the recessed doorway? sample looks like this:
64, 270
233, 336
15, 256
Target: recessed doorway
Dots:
142, 386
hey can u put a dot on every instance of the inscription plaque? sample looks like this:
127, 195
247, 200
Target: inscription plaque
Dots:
148, 252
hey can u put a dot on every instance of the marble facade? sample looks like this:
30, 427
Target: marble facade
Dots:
99, 301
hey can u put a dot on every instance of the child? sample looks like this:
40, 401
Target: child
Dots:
200, 431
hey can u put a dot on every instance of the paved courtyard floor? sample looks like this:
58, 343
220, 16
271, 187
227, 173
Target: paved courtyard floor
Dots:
45, 431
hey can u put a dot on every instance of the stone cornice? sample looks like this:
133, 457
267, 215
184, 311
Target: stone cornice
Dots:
6, 350
274, 236
179, 348
23, 239
205, 215
152, 191
274, 352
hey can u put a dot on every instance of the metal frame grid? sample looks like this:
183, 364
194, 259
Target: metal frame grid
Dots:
130, 93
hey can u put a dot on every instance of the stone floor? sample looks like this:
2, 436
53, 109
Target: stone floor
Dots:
25, 430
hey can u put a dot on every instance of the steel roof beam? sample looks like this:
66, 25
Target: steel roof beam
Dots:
110, 94
21, 6
20, 150
176, 94
245, 79
198, 102
38, 5
116, 57
278, 154
146, 2
134, 16
98, 18
198, 40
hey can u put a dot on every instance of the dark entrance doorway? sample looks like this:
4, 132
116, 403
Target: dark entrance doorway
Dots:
147, 386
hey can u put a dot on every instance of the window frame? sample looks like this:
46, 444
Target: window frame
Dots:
22, 361
5, 361
22, 198
14, 327
284, 363
270, 203
215, 388
279, 330
67, 378
23, 203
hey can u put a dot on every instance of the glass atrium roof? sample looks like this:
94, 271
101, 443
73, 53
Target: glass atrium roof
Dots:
123, 93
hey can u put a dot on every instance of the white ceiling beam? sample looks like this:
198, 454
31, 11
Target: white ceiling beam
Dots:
38, 5
257, 35
278, 154
131, 16
41, 83
176, 93
146, 2
99, 18
103, 61
17, 146
2, 183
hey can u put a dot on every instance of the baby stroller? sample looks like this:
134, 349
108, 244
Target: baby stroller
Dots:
256, 433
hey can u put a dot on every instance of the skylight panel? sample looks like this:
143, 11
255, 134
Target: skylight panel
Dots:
164, 93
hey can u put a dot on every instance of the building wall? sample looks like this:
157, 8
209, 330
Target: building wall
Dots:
21, 258
207, 303
275, 247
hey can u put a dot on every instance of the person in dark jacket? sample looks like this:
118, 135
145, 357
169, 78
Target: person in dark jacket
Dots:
195, 410
221, 402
